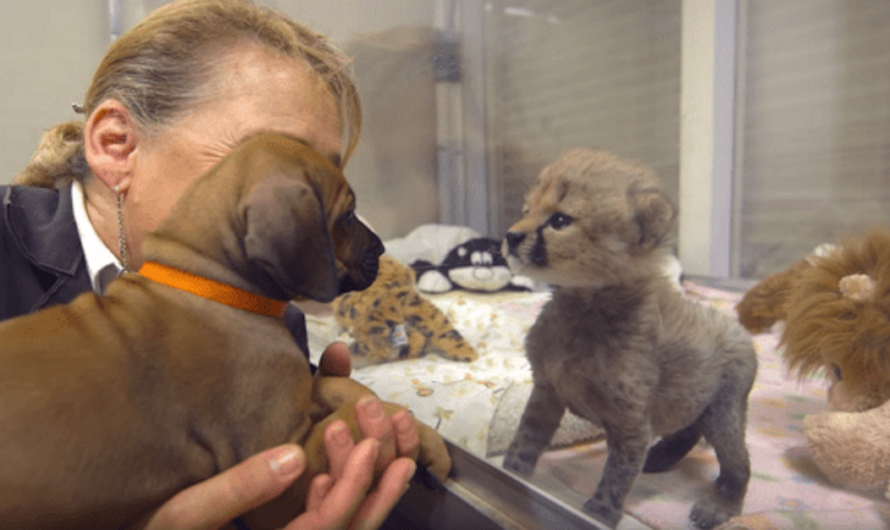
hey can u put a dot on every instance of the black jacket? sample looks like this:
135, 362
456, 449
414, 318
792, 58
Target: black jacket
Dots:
42, 261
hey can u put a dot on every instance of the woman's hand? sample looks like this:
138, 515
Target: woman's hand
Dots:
333, 502
337, 500
342, 499
216, 501
397, 434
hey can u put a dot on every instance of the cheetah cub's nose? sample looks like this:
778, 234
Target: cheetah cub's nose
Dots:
513, 241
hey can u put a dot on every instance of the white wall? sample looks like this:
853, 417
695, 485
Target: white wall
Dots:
346, 20
50, 48
48, 51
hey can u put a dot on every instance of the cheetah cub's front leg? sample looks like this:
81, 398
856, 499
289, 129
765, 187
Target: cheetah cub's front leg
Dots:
539, 422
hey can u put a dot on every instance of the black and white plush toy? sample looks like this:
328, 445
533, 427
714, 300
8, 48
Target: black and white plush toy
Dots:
475, 265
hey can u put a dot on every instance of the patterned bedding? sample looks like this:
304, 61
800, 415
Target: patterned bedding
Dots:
477, 406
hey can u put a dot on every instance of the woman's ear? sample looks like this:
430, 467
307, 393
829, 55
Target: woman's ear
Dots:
110, 139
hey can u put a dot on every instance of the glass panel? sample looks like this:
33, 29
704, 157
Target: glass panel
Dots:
557, 74
394, 170
815, 130
447, 83
531, 79
566, 74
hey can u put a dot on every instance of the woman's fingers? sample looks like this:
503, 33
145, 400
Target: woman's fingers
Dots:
338, 445
218, 500
374, 423
406, 435
335, 507
380, 502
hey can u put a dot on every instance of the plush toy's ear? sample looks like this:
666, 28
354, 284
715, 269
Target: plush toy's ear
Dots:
653, 214
764, 304
858, 287
429, 278
287, 238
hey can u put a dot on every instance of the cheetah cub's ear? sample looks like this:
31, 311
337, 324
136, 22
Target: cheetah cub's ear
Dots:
653, 214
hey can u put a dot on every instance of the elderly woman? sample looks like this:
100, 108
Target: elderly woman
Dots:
170, 99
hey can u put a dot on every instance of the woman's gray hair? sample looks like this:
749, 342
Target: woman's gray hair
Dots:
162, 68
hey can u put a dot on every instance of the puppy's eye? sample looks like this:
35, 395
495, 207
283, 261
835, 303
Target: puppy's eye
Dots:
559, 221
348, 218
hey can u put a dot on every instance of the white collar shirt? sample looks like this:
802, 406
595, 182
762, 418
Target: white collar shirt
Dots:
102, 265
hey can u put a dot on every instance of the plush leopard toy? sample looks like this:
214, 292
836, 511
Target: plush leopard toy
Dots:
390, 321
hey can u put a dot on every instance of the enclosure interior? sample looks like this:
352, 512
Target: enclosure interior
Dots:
768, 124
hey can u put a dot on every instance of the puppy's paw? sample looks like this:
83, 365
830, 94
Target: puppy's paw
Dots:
433, 455
602, 511
519, 461
706, 514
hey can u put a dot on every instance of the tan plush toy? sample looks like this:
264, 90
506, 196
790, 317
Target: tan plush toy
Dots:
836, 310
390, 321
852, 449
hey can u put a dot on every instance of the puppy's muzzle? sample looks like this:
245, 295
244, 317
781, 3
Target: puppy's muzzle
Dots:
367, 248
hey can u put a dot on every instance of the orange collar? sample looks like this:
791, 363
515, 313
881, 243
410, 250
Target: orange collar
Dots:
212, 290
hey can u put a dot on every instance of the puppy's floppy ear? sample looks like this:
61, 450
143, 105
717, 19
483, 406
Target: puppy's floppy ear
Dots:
287, 238
653, 214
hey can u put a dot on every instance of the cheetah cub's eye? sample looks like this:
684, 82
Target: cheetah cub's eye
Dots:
838, 374
558, 221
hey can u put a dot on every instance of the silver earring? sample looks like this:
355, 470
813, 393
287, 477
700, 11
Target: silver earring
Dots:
121, 240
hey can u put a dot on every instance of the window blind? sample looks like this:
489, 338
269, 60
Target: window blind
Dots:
814, 137
577, 73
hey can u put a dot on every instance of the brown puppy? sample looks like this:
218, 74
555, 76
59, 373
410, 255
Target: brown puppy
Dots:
617, 344
110, 405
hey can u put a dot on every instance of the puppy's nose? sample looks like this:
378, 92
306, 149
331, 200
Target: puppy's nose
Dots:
376, 248
371, 260
513, 241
